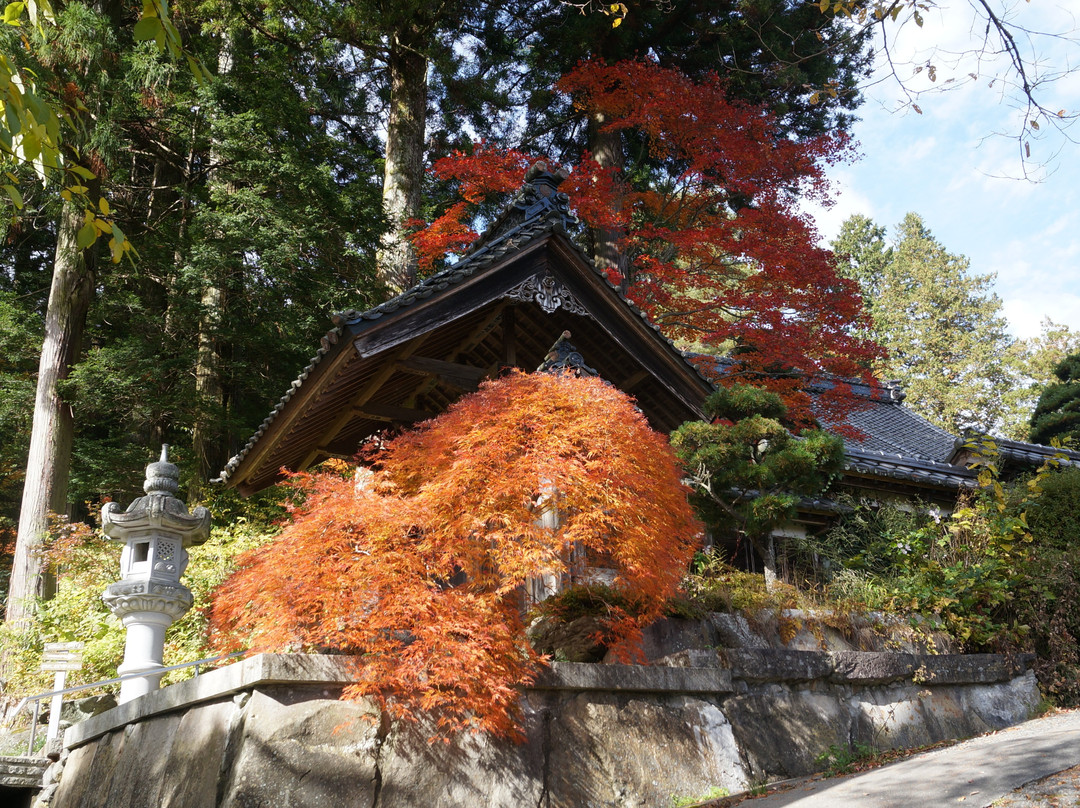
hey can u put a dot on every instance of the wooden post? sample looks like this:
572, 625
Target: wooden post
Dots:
59, 657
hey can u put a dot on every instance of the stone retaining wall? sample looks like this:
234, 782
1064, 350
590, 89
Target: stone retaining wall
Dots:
268, 731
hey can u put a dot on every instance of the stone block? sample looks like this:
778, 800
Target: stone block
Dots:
782, 732
637, 752
22, 772
88, 773
292, 753
774, 665
962, 669
197, 756
872, 667
415, 768
633, 678
140, 766
1005, 703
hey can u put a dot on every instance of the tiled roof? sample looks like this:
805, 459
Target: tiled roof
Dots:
909, 469
1032, 454
888, 427
531, 215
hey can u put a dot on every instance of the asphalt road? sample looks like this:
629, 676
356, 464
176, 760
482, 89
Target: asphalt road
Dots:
979, 772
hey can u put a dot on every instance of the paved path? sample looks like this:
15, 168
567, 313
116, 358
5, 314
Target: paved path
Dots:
974, 773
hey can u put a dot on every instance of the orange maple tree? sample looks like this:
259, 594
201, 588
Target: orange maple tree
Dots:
418, 567
706, 215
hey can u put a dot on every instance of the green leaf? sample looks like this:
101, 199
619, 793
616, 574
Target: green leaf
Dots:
14, 122
86, 236
147, 28
13, 13
16, 197
86, 174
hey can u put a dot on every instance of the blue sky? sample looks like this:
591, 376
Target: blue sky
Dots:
951, 165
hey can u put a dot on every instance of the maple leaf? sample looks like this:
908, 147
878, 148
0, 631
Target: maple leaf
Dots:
420, 573
717, 251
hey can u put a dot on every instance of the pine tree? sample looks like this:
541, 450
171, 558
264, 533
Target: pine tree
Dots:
1057, 414
941, 326
749, 471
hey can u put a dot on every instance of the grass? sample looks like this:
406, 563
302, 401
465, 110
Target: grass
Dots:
714, 793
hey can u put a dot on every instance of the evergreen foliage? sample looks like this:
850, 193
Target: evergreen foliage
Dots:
1057, 413
748, 471
941, 326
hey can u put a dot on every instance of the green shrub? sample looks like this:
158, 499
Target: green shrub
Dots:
1055, 516
86, 563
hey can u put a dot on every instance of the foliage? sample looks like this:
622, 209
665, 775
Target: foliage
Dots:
941, 326
838, 760
1053, 517
964, 569
715, 249
713, 585
714, 793
748, 470
418, 568
1049, 608
86, 563
1057, 413
1047, 584
45, 113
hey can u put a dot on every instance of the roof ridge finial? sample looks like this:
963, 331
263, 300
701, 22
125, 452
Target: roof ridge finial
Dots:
541, 197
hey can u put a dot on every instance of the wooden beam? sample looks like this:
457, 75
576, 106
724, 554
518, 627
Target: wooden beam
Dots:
633, 380
389, 412
362, 397
509, 337
464, 377
469, 344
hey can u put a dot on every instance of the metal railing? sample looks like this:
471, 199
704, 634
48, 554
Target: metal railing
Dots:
38, 697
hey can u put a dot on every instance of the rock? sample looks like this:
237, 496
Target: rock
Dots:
318, 753
872, 667
573, 641
612, 751
80, 709
781, 732
772, 665
693, 658
733, 631
469, 770
670, 635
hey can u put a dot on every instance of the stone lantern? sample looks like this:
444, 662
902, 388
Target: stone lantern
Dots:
156, 531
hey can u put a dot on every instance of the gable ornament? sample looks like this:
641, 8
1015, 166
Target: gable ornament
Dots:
548, 293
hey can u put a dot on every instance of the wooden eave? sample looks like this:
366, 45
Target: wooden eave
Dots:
407, 365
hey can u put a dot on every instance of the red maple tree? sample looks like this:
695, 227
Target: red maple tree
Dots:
418, 568
717, 252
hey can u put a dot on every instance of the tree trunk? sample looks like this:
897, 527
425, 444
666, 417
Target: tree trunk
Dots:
53, 427
607, 151
767, 548
403, 175
206, 431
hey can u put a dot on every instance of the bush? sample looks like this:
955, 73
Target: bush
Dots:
86, 563
1046, 604
1054, 517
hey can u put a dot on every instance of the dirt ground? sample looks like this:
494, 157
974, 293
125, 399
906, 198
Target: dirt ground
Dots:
1061, 790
